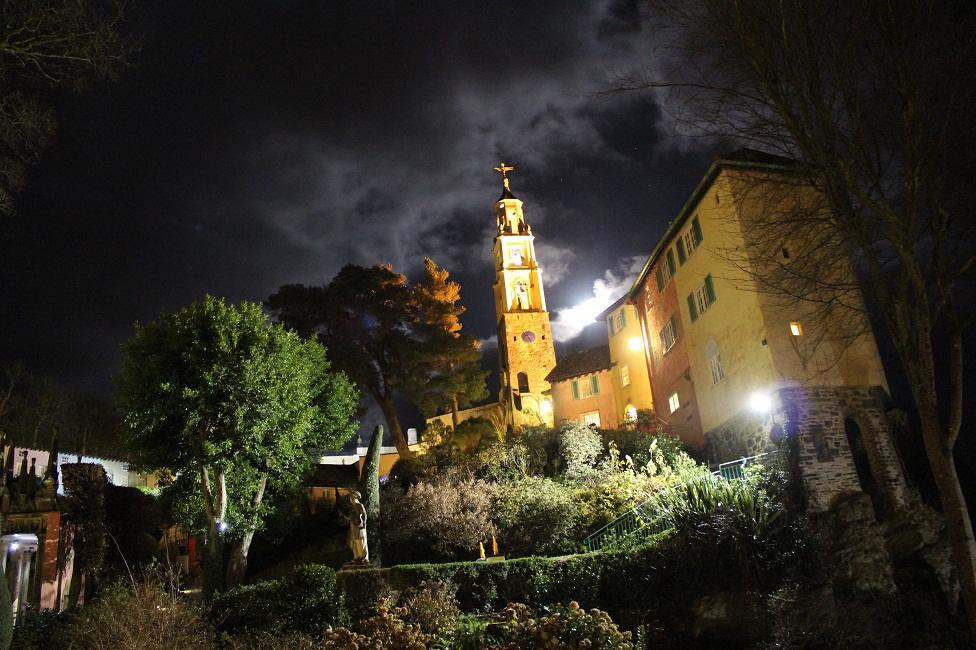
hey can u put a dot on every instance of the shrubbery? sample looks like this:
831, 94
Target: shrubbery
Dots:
305, 600
437, 519
534, 516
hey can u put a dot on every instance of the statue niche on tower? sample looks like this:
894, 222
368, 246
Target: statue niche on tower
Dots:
521, 295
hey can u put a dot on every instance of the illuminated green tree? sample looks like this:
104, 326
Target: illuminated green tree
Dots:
214, 391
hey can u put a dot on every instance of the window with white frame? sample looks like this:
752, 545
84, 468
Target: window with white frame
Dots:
718, 372
624, 376
669, 334
591, 419
586, 387
688, 242
701, 298
617, 322
674, 403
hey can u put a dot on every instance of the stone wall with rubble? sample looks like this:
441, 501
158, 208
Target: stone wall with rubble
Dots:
813, 420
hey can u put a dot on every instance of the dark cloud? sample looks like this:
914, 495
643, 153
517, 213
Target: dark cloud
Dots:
260, 143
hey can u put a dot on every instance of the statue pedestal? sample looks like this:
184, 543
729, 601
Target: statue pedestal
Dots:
356, 565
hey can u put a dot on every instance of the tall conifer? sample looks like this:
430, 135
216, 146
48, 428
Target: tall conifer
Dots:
369, 488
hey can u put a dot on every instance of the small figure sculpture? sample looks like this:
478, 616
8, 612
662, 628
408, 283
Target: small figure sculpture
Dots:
522, 295
357, 530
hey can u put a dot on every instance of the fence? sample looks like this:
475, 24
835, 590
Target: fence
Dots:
644, 520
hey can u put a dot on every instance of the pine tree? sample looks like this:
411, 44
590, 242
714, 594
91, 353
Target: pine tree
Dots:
369, 488
449, 374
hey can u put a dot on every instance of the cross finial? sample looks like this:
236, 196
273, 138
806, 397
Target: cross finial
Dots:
504, 169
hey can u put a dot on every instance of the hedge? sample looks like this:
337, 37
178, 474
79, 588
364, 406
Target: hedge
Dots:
306, 599
612, 580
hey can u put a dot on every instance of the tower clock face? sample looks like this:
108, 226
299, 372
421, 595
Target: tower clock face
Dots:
528, 336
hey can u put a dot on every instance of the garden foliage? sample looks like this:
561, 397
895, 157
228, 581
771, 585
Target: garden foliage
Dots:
305, 600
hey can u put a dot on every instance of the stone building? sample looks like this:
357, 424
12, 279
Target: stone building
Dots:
526, 351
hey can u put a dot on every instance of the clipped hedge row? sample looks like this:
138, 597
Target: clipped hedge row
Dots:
305, 600
616, 581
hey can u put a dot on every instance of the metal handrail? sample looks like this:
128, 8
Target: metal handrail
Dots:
633, 521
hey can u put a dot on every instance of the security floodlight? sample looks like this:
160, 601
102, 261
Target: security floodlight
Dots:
761, 403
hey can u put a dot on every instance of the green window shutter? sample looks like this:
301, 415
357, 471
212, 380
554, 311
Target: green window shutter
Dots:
594, 385
681, 251
623, 319
709, 288
674, 327
696, 228
575, 389
660, 280
671, 264
692, 307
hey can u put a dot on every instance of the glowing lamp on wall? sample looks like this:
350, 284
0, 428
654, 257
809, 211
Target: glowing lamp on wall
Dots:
634, 343
546, 406
761, 403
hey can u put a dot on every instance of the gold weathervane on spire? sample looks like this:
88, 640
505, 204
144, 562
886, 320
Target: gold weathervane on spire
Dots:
504, 169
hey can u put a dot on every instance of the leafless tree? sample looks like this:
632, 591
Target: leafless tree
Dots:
47, 44
875, 99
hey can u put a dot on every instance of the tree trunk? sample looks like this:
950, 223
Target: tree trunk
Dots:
389, 412
213, 559
954, 508
237, 562
454, 410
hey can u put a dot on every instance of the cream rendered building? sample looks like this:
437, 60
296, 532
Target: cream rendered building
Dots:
630, 378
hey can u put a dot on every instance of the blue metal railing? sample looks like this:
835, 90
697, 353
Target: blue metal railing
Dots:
644, 520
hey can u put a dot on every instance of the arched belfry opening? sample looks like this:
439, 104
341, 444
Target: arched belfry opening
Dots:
862, 464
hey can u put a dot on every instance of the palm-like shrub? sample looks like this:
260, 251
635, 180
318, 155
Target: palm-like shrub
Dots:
746, 520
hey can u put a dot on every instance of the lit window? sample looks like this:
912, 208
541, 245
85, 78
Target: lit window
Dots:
624, 376
669, 334
673, 403
630, 413
718, 372
592, 419
796, 329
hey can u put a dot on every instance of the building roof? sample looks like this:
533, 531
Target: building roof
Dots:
342, 476
581, 363
741, 159
616, 303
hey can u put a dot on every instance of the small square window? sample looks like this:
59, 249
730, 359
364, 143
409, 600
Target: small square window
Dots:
674, 403
624, 376
796, 329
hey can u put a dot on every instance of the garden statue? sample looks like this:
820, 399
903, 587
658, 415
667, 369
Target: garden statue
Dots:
357, 530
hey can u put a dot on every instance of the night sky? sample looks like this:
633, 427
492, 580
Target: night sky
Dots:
256, 144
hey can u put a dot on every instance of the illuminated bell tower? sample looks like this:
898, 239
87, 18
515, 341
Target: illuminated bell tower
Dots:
525, 346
